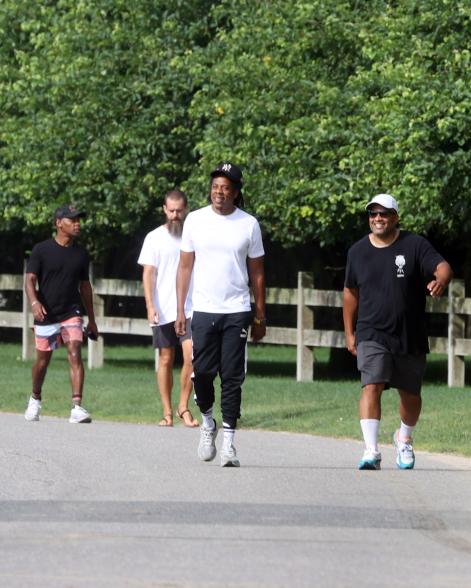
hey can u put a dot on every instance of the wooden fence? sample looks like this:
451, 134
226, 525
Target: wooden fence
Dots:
456, 345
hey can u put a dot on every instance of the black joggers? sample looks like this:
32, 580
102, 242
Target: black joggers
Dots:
219, 346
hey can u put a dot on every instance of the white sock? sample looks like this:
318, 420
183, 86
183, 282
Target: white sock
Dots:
228, 436
370, 430
208, 421
405, 432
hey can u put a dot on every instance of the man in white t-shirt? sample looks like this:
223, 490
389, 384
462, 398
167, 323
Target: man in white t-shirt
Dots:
159, 257
222, 251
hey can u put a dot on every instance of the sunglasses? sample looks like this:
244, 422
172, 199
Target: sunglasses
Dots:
380, 213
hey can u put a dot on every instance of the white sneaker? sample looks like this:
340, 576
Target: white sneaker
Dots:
207, 444
33, 409
79, 415
371, 460
229, 457
405, 457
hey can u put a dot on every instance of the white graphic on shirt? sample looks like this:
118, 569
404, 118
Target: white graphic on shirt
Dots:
400, 261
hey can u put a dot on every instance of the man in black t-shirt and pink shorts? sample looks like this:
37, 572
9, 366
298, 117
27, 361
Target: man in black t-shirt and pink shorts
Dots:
57, 284
388, 275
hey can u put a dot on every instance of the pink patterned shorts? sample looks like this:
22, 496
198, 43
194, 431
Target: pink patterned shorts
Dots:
50, 337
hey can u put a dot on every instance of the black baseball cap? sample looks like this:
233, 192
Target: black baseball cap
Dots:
68, 211
229, 170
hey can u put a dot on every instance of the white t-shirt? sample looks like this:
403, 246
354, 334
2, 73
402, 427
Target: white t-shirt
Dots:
162, 250
221, 244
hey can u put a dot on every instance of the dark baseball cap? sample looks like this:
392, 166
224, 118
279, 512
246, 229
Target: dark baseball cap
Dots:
229, 170
68, 211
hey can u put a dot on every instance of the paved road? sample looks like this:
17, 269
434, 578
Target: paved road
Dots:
120, 505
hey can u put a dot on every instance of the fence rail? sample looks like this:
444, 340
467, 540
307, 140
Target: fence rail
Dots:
456, 345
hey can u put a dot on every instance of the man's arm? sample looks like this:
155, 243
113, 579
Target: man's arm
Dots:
149, 275
350, 313
86, 294
257, 281
38, 310
185, 268
443, 276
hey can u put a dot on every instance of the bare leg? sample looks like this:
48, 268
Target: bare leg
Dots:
39, 371
410, 406
165, 382
186, 385
370, 401
77, 374
370, 414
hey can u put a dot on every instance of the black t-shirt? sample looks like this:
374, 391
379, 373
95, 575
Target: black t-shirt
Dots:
392, 289
59, 271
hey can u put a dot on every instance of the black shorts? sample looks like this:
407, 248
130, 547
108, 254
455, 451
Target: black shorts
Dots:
379, 366
165, 336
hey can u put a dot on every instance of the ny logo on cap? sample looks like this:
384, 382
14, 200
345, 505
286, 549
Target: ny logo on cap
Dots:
226, 167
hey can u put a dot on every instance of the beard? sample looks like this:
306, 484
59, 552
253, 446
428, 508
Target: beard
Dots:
175, 228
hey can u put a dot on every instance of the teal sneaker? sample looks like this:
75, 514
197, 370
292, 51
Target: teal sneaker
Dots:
405, 459
371, 460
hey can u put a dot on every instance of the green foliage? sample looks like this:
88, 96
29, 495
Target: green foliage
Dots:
328, 103
94, 97
324, 103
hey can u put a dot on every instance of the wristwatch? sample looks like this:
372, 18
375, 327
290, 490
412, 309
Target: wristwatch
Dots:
262, 322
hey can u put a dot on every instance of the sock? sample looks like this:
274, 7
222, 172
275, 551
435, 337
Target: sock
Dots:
208, 421
228, 436
370, 430
405, 432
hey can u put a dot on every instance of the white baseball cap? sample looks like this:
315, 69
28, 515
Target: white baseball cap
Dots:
385, 200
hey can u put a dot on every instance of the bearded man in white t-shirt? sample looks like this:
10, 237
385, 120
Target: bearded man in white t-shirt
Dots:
222, 251
159, 257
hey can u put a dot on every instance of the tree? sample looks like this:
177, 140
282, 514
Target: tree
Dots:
323, 102
327, 103
94, 97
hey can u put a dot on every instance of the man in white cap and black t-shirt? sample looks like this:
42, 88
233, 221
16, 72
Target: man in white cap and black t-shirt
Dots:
222, 247
388, 275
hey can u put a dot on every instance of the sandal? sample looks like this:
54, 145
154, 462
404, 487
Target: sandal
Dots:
191, 423
167, 421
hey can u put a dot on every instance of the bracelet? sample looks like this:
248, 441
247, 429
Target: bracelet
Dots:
260, 321
34, 302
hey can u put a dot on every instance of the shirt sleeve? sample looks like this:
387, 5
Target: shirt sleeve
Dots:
256, 244
186, 244
429, 258
149, 253
350, 278
33, 265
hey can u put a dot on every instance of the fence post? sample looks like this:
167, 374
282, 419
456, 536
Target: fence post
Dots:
456, 330
27, 335
305, 320
96, 348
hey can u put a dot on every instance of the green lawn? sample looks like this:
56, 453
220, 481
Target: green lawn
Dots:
124, 390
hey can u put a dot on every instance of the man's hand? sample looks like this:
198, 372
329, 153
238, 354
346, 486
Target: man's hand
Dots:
258, 331
38, 310
180, 325
92, 330
442, 276
350, 344
436, 288
152, 316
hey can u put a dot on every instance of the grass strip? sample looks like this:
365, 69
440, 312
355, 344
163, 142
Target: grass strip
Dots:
124, 390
